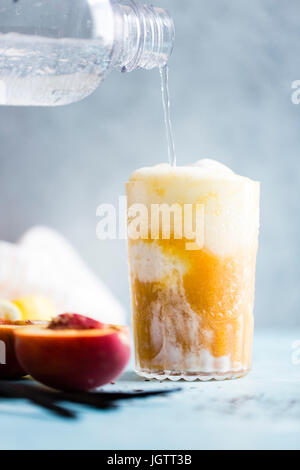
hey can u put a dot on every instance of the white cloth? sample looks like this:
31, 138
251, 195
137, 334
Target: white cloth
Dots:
44, 263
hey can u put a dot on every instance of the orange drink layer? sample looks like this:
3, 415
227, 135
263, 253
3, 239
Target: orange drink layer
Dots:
193, 237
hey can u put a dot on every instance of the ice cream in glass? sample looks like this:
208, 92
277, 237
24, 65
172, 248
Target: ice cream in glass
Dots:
192, 244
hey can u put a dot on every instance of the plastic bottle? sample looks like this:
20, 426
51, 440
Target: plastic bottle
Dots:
55, 52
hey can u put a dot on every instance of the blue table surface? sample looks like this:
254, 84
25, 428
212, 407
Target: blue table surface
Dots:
260, 411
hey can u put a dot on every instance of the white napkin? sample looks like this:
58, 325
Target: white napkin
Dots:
44, 263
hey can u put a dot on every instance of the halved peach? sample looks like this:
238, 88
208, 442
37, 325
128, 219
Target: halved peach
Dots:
10, 368
69, 354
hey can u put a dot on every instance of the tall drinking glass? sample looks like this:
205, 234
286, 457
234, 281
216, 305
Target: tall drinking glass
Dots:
192, 244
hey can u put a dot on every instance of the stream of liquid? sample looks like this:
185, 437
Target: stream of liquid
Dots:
164, 77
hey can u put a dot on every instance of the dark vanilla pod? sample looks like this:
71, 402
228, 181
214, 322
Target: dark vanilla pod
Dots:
48, 399
99, 399
20, 391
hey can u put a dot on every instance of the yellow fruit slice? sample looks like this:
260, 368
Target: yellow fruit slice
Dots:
35, 308
9, 311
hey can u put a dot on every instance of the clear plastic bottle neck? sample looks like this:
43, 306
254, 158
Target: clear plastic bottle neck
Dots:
146, 36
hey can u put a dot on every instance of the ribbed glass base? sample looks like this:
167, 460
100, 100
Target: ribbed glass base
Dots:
176, 375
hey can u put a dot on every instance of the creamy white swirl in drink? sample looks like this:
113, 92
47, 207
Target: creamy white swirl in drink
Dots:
193, 295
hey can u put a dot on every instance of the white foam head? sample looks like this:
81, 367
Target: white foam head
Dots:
213, 166
231, 201
201, 169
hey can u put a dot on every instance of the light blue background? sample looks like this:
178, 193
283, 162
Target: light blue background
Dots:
230, 79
